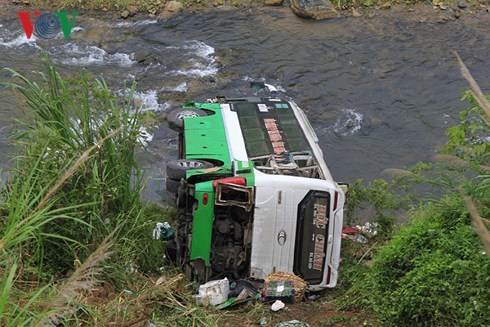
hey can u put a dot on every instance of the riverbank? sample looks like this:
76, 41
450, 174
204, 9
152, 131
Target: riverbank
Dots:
430, 11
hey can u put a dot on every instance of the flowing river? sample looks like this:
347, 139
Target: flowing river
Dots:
379, 91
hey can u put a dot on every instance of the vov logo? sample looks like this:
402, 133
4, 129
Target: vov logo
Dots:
47, 25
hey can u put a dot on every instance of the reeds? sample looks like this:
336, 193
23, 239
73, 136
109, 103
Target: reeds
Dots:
476, 219
73, 192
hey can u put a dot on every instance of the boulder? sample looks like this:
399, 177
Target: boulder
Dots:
316, 9
217, 3
133, 10
174, 6
124, 14
143, 56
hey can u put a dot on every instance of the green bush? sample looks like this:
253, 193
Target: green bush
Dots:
433, 272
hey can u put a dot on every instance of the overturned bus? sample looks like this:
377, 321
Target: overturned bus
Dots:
253, 192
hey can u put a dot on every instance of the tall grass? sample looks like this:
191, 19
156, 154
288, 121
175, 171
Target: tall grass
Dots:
73, 191
484, 104
68, 117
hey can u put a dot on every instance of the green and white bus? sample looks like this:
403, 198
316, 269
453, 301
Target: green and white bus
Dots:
253, 192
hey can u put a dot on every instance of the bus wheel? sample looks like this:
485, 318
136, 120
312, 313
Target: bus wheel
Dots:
176, 169
172, 185
176, 117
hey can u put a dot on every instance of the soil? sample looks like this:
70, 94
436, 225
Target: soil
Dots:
322, 313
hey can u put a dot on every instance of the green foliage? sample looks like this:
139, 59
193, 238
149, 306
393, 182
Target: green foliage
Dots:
73, 185
433, 272
468, 139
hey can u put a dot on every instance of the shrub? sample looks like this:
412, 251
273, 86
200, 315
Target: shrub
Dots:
433, 272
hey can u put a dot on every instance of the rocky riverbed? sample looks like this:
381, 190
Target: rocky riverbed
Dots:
443, 10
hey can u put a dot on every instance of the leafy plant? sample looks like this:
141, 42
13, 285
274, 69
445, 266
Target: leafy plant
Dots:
433, 272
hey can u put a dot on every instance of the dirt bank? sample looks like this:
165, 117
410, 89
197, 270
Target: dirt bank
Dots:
439, 11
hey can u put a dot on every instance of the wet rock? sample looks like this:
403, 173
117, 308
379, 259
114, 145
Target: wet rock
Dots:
273, 2
227, 8
462, 5
442, 19
171, 8
316, 9
125, 14
142, 56
439, 4
174, 6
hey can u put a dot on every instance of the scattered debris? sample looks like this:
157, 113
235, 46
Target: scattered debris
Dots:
359, 238
241, 287
356, 234
283, 290
313, 297
278, 305
160, 280
163, 232
292, 323
241, 291
299, 285
349, 231
213, 293
369, 229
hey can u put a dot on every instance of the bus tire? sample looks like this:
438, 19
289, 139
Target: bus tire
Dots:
175, 118
172, 185
176, 169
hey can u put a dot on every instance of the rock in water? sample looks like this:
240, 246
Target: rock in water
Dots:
171, 8
316, 9
174, 6
273, 2
125, 14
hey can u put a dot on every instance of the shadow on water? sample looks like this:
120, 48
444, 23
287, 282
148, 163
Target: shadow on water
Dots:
380, 92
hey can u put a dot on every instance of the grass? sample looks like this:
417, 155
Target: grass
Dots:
72, 194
